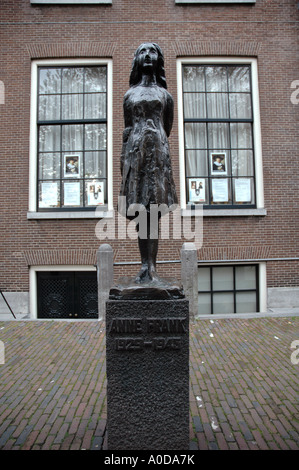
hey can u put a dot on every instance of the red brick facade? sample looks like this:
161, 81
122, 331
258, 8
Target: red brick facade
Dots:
266, 30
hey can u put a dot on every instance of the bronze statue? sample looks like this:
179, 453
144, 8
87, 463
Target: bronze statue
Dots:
145, 161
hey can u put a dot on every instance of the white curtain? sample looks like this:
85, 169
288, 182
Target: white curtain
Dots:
72, 137
218, 134
217, 93
95, 106
196, 163
72, 89
95, 93
240, 105
49, 165
49, 94
95, 164
95, 137
61, 98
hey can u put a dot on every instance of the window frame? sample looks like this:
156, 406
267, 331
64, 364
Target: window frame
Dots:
72, 295
259, 275
101, 211
258, 208
33, 270
71, 2
194, 2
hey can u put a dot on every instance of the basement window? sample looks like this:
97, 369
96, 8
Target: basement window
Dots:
71, 2
228, 289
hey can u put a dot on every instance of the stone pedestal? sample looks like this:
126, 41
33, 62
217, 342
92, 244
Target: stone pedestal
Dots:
147, 347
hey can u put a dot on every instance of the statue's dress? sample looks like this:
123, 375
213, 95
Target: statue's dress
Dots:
145, 162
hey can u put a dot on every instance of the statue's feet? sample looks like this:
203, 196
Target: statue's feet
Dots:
143, 275
147, 274
154, 276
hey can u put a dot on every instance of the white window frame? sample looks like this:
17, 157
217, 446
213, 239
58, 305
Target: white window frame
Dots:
192, 2
261, 287
259, 210
71, 2
33, 281
32, 213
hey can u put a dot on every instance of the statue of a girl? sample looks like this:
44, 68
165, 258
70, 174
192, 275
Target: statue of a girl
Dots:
145, 161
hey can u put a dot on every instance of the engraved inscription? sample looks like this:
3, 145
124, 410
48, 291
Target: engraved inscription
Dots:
166, 325
164, 333
167, 343
137, 344
126, 325
128, 344
150, 325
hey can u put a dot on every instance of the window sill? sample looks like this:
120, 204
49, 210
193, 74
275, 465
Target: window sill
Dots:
97, 214
224, 212
192, 2
70, 2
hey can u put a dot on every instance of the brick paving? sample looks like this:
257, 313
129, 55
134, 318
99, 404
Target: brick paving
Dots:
243, 385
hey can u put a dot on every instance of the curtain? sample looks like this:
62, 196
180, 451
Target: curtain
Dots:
95, 154
217, 92
196, 163
95, 164
66, 94
240, 105
49, 94
95, 93
49, 165
95, 106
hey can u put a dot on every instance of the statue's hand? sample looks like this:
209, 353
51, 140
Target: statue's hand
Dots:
150, 124
126, 133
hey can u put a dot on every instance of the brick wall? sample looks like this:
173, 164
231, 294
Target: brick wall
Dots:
267, 30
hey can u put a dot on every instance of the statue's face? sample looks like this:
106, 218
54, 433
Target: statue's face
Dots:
148, 58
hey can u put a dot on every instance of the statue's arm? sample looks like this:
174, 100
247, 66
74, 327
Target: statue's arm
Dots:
127, 129
127, 110
168, 114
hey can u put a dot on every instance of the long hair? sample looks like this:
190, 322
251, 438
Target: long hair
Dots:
135, 76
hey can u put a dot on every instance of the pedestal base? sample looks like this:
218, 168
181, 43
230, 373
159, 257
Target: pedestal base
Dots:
147, 346
160, 289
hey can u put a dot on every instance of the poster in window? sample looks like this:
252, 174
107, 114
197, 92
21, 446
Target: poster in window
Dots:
71, 166
197, 192
48, 195
95, 193
71, 194
218, 163
243, 190
220, 190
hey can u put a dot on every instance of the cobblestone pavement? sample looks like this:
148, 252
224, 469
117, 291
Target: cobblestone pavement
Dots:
243, 384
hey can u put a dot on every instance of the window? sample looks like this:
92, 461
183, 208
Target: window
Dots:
72, 136
228, 289
70, 143
67, 294
211, 1
220, 128
71, 2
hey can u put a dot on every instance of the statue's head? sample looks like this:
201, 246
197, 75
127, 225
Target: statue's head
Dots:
136, 72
